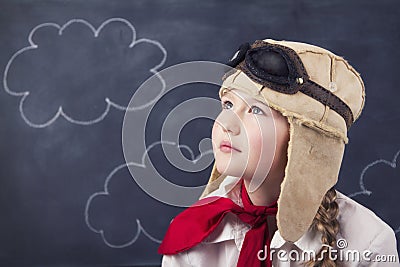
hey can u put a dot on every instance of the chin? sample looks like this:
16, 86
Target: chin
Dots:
229, 170
221, 169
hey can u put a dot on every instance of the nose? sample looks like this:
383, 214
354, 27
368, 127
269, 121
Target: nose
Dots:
230, 123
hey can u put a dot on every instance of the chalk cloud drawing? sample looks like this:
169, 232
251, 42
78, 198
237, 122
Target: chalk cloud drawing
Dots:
377, 166
105, 203
79, 72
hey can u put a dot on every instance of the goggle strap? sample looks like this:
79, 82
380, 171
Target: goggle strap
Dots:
327, 98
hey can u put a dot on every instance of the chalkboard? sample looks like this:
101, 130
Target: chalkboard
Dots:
69, 70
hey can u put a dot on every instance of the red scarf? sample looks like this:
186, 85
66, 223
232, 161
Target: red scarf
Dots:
195, 223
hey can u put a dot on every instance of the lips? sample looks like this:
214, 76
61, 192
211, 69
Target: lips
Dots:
226, 146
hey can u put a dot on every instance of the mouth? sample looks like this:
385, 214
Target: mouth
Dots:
227, 147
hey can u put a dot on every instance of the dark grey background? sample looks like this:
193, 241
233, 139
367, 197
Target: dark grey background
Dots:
48, 174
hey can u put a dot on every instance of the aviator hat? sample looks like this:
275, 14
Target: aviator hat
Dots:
321, 95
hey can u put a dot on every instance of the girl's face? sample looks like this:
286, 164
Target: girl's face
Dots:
249, 139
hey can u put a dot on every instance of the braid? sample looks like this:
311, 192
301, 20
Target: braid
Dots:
326, 223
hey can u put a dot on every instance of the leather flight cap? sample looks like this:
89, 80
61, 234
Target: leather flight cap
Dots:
281, 69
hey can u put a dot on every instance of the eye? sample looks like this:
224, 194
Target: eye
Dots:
227, 104
256, 110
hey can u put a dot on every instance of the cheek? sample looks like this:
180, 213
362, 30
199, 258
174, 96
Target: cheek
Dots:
261, 137
283, 136
262, 147
255, 143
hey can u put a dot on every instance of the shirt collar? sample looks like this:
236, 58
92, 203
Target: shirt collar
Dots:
310, 241
230, 187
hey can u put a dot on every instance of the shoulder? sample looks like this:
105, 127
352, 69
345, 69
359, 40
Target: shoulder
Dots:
353, 215
362, 228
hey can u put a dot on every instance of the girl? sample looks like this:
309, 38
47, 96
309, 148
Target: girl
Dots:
278, 145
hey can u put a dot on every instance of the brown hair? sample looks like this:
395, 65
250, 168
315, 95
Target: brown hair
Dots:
326, 223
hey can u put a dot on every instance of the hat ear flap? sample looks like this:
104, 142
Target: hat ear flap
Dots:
213, 182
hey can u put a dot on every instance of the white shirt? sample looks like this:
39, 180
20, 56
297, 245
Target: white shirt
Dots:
363, 236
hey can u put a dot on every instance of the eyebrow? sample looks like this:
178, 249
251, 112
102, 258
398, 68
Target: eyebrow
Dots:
245, 98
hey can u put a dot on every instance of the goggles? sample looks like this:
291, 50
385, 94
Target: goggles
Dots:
281, 69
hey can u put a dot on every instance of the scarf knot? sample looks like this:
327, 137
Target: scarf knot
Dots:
260, 220
195, 223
